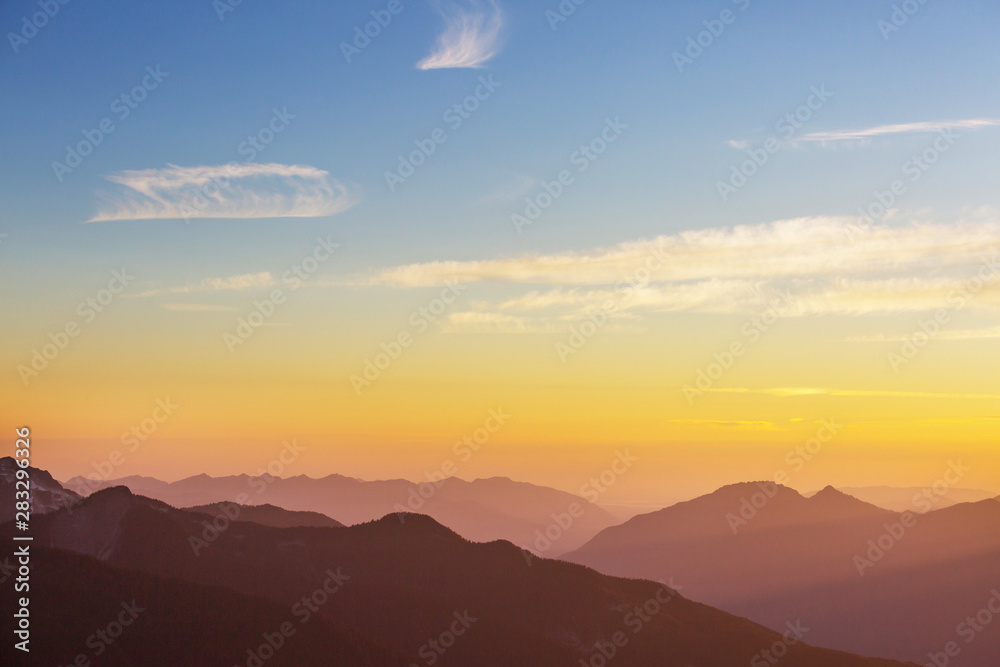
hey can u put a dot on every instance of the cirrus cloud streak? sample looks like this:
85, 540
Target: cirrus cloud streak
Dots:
470, 38
235, 190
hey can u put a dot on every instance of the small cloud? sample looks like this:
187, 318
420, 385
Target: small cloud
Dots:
470, 38
785, 392
738, 144
477, 322
964, 334
199, 307
235, 190
239, 282
902, 128
723, 423
513, 189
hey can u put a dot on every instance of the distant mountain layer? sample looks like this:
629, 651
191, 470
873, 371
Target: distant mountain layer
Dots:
864, 579
415, 586
46, 493
481, 510
915, 499
267, 515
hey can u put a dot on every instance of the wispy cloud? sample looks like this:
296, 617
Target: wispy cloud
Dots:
200, 307
487, 321
902, 128
238, 282
785, 392
964, 334
470, 38
513, 188
798, 248
723, 423
247, 190
815, 262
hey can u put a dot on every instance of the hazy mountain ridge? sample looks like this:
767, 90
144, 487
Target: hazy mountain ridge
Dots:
866, 579
408, 578
918, 499
267, 515
481, 510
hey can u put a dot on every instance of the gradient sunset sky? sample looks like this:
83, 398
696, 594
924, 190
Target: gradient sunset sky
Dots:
617, 129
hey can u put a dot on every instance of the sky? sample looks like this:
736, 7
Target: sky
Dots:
702, 232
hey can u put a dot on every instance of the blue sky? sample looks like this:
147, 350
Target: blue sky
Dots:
557, 87
552, 89
353, 119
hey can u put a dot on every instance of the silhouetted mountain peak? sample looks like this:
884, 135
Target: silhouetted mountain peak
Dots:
113, 492
832, 500
39, 477
421, 521
741, 490
47, 494
121, 499
830, 494
267, 514
405, 523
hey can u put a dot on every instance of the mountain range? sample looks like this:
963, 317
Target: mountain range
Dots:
865, 579
399, 586
915, 499
481, 510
